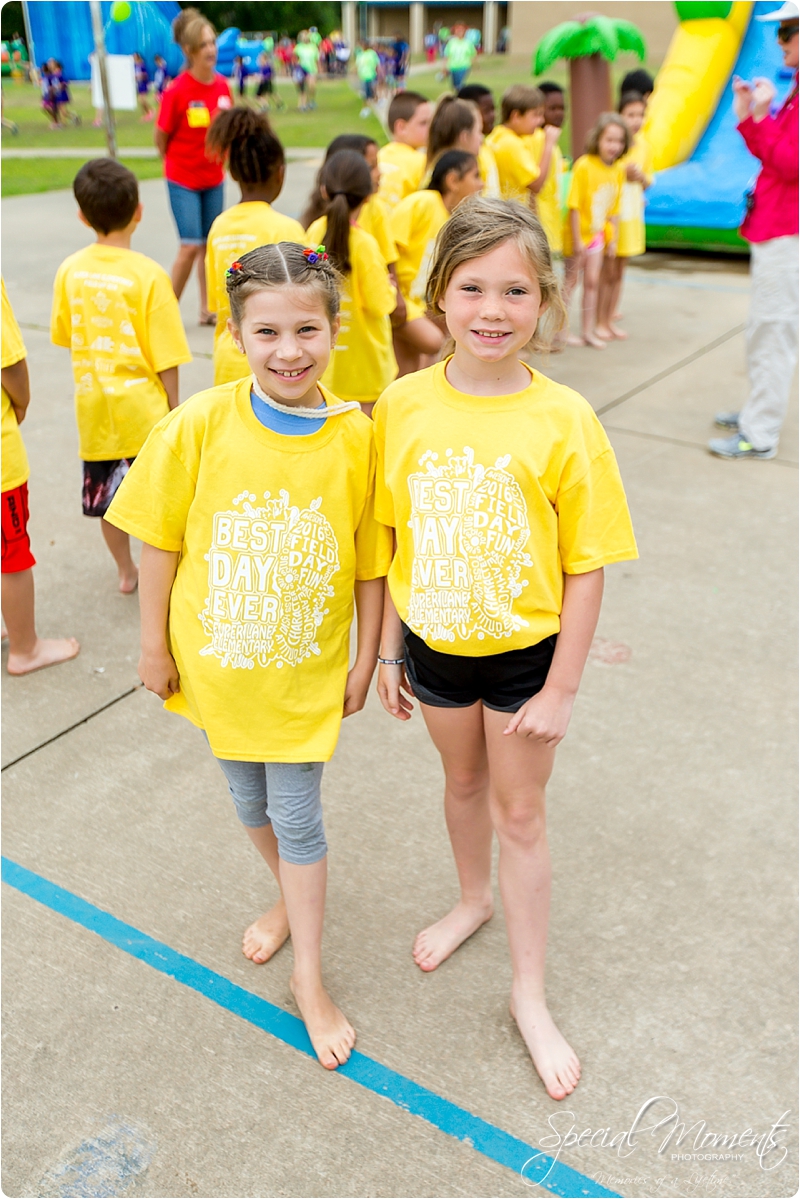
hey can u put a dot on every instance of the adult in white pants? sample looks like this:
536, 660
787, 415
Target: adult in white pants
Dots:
771, 226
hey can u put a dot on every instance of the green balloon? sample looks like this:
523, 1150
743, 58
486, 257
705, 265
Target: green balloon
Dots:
690, 11
120, 11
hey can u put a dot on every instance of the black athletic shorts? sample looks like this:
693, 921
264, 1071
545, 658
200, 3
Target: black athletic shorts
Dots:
503, 682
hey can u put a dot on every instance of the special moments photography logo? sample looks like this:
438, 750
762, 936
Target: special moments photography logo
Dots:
679, 1141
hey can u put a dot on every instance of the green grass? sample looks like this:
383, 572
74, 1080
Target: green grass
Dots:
22, 176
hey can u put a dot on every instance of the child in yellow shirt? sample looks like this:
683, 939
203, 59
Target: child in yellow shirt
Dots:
520, 177
242, 140
374, 216
638, 167
254, 501
548, 198
363, 362
481, 95
590, 233
26, 650
402, 162
506, 502
116, 312
415, 224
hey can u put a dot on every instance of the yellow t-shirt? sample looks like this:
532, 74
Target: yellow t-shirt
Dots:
487, 168
631, 204
493, 499
272, 532
234, 232
363, 361
548, 198
15, 469
374, 218
415, 224
402, 169
116, 312
594, 191
516, 165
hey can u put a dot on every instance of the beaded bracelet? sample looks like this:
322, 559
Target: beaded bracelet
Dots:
392, 661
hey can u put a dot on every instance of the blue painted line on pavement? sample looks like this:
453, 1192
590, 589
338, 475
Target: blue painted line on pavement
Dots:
526, 1160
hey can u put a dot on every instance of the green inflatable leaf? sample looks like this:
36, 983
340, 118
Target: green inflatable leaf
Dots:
700, 10
553, 46
605, 33
630, 39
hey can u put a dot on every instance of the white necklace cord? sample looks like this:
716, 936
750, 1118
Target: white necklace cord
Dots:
309, 413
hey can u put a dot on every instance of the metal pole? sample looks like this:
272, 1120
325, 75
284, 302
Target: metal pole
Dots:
26, 19
100, 52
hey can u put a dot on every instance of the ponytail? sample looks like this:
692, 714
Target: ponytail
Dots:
452, 118
347, 182
315, 206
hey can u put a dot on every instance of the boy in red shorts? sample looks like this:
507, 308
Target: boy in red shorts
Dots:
26, 651
117, 313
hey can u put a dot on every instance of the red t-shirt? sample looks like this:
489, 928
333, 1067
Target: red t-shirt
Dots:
187, 110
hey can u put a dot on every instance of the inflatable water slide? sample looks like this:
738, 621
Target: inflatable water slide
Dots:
703, 168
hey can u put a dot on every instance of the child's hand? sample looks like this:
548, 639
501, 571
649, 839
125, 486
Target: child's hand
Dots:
392, 682
611, 249
634, 173
551, 134
355, 692
159, 673
398, 317
543, 718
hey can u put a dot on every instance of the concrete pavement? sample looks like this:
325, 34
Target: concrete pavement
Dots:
672, 826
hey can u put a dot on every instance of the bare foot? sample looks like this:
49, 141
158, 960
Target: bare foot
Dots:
591, 339
618, 316
574, 340
265, 936
331, 1033
603, 332
436, 943
620, 334
556, 1063
129, 582
46, 652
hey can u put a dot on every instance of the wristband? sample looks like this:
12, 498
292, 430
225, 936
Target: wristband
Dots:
392, 661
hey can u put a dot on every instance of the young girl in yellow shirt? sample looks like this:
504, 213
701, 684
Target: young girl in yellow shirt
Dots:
415, 223
363, 362
590, 232
243, 140
506, 502
254, 502
638, 167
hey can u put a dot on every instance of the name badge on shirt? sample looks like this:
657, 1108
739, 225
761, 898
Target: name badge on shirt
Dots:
197, 115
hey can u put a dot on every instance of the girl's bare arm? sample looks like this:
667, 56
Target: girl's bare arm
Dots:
369, 609
546, 716
157, 668
392, 678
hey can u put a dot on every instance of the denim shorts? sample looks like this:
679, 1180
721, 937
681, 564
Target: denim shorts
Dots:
195, 211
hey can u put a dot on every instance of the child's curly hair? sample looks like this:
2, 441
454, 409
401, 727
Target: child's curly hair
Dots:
480, 225
279, 265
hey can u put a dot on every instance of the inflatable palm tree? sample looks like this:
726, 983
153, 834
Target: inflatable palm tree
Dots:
589, 43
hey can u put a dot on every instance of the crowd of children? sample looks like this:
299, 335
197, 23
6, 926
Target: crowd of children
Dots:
468, 526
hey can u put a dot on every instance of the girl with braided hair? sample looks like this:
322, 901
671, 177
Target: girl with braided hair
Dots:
242, 140
254, 503
363, 363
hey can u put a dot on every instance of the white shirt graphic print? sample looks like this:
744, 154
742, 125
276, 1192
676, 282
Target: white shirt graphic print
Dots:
470, 528
269, 576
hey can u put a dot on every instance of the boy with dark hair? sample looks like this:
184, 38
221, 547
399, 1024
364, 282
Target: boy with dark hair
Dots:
481, 95
115, 310
638, 81
402, 163
554, 103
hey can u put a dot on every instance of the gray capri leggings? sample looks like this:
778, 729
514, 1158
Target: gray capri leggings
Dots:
285, 795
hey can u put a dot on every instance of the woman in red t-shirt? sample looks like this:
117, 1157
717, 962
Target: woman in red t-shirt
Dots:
195, 183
